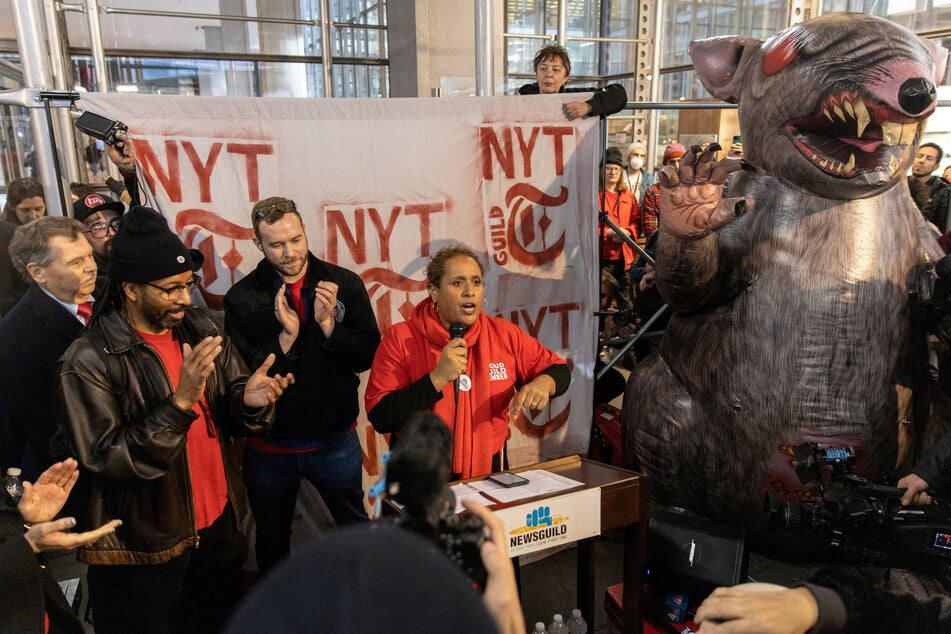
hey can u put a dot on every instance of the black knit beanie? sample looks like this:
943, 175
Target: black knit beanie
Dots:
145, 249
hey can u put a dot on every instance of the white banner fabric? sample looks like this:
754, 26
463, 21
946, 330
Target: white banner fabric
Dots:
384, 183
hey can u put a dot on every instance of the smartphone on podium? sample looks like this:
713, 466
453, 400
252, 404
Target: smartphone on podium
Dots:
507, 479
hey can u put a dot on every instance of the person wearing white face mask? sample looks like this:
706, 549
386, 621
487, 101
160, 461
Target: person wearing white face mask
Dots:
638, 177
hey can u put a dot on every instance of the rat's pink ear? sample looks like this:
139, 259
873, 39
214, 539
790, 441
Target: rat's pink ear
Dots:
720, 62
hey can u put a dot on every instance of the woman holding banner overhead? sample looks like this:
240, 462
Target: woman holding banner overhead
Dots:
477, 378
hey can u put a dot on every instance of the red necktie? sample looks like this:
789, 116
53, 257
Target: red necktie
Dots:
84, 310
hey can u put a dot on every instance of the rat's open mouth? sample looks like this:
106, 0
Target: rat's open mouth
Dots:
849, 134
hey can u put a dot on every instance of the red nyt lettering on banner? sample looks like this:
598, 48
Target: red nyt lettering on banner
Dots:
522, 226
168, 173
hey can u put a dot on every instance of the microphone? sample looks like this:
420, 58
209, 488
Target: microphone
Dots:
456, 329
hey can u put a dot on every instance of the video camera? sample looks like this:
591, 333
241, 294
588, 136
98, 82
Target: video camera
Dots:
864, 522
417, 477
103, 128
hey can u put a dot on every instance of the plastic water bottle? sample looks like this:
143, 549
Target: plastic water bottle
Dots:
576, 624
557, 625
12, 483
540, 628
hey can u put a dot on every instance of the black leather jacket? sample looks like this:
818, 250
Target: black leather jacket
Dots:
129, 437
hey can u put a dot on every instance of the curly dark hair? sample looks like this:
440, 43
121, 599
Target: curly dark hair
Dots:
437, 264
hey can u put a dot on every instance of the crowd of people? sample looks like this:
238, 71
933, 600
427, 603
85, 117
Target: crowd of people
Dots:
107, 361
109, 370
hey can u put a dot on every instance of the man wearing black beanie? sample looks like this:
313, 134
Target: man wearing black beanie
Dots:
152, 394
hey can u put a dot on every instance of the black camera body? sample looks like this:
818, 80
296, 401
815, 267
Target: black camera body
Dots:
459, 537
865, 522
417, 477
103, 128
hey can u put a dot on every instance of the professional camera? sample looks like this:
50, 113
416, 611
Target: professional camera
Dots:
103, 128
417, 477
864, 522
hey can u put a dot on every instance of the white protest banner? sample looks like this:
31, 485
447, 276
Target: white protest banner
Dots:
381, 185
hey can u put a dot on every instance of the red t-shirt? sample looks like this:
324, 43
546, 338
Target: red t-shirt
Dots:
297, 300
209, 487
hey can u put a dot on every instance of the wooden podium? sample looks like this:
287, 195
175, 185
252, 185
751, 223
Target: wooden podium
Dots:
623, 506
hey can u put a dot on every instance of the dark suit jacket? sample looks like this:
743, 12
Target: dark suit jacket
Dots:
12, 286
33, 336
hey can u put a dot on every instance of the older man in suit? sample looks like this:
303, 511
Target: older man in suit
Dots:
55, 254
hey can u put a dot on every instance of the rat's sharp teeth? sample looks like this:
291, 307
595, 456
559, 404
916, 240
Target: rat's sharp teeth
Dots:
851, 164
862, 118
891, 133
908, 132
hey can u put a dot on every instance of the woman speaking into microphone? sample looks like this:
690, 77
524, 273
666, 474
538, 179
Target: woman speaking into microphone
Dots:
476, 379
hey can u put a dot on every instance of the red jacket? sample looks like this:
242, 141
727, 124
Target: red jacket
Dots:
623, 211
502, 358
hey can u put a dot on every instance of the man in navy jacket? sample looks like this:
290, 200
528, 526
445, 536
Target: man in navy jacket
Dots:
33, 336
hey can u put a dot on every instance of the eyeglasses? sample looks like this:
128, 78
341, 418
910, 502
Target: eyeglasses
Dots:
174, 292
277, 210
101, 229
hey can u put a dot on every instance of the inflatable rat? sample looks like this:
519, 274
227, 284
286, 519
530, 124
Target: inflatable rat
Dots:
791, 292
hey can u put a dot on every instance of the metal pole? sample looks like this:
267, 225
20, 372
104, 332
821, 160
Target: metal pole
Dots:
484, 48
653, 128
326, 50
95, 45
61, 81
36, 74
562, 21
637, 335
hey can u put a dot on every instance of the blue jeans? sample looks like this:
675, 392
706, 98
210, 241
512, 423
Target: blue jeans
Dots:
273, 480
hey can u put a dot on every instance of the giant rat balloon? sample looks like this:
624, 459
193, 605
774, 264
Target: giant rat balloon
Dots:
790, 292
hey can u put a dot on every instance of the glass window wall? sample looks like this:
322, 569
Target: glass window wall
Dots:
593, 62
234, 47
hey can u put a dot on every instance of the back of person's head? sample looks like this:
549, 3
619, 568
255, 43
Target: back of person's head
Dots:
18, 191
31, 242
370, 578
552, 51
420, 463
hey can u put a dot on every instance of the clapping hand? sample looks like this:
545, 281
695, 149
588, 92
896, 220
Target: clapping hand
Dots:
325, 302
197, 364
262, 390
43, 499
287, 317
